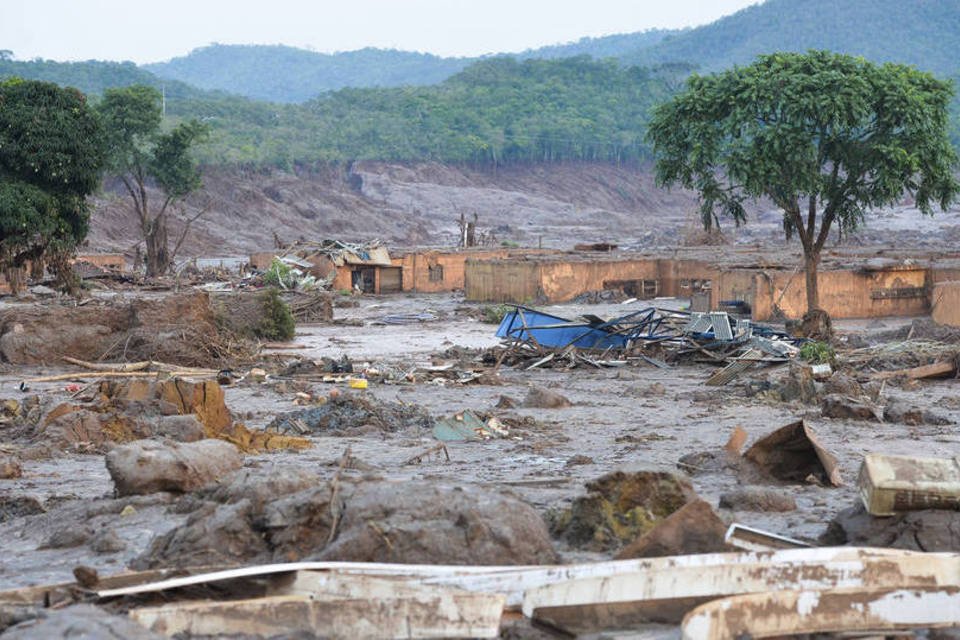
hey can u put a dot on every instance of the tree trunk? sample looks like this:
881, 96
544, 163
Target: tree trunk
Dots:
811, 262
155, 237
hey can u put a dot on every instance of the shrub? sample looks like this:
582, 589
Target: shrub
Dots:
816, 352
277, 322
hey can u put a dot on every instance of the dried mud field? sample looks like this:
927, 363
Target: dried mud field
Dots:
630, 418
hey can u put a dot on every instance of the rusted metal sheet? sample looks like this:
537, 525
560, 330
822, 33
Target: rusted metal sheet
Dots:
764, 615
889, 484
342, 607
793, 453
666, 593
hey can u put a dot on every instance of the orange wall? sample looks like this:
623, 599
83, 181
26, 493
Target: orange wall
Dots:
843, 294
516, 281
945, 303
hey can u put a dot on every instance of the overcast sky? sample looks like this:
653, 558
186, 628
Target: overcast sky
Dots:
154, 31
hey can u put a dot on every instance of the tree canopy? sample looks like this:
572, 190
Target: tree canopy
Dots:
827, 137
144, 156
50, 160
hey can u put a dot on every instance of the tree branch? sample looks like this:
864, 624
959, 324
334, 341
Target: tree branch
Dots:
186, 229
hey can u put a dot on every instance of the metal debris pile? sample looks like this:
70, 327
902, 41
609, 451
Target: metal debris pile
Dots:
651, 336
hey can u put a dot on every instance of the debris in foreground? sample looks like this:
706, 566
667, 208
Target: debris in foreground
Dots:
387, 600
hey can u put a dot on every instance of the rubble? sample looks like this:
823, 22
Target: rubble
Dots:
793, 454
148, 466
10, 468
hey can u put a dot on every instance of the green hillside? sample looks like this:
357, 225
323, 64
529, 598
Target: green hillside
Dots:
287, 74
925, 33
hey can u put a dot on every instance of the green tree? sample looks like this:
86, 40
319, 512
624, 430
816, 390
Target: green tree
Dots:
143, 156
51, 157
826, 137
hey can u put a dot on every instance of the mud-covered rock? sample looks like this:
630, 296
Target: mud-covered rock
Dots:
927, 530
18, 506
847, 408
149, 466
898, 410
539, 398
797, 385
352, 414
366, 520
79, 621
10, 468
694, 528
621, 506
758, 499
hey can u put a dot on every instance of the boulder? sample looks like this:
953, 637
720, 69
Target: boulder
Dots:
364, 520
149, 466
927, 530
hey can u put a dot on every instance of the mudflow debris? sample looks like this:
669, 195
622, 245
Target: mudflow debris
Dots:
398, 464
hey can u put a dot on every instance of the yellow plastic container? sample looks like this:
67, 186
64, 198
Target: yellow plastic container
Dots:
357, 383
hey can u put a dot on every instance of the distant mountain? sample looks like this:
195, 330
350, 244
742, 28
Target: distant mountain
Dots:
924, 33
613, 46
287, 74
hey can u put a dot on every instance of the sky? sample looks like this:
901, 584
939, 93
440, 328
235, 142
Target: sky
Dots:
156, 31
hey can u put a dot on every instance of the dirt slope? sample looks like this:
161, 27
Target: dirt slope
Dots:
557, 205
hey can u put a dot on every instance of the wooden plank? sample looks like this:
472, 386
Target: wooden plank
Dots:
765, 615
936, 370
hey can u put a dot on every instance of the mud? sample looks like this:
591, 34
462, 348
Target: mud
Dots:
633, 418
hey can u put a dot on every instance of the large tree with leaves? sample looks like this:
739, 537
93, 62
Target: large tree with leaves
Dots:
144, 156
50, 161
826, 137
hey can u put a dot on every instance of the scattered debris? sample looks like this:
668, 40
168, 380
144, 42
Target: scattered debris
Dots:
928, 530
467, 425
10, 468
79, 621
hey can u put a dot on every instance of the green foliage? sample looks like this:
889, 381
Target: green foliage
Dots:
50, 160
277, 322
494, 314
816, 352
280, 275
816, 133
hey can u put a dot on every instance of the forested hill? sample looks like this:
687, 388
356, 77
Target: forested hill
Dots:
924, 33
286, 74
